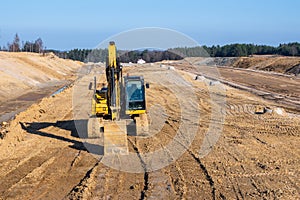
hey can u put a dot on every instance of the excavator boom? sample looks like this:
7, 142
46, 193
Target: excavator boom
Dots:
114, 78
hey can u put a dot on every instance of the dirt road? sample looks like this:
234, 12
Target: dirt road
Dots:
255, 156
278, 88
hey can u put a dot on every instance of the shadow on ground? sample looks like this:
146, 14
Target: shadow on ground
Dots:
78, 129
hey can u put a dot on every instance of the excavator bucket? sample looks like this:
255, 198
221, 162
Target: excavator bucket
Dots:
142, 127
115, 138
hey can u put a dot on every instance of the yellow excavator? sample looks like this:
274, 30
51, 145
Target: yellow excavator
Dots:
119, 107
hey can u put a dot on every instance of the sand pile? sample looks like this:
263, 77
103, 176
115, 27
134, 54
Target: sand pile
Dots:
22, 72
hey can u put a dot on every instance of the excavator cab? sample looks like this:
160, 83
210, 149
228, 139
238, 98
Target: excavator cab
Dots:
134, 95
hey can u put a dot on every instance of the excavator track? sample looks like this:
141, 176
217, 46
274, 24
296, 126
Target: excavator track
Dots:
94, 127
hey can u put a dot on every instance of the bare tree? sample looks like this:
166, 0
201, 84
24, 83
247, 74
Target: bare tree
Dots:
38, 45
15, 46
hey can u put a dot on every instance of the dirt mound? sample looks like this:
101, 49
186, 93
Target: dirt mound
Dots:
209, 61
28, 77
294, 70
23, 72
281, 64
224, 61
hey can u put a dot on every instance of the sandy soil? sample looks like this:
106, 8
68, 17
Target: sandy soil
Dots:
281, 64
26, 77
255, 157
271, 63
284, 90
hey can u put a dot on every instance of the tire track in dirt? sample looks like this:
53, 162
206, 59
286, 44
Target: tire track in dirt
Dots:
201, 165
206, 109
241, 131
83, 189
259, 170
98, 183
76, 172
236, 180
34, 177
146, 174
50, 174
38, 145
100, 190
46, 163
21, 171
114, 184
234, 109
161, 186
178, 181
103, 182
231, 183
206, 173
76, 158
7, 166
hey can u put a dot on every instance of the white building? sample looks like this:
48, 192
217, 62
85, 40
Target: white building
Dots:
141, 61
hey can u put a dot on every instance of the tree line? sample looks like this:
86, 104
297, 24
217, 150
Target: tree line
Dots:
16, 46
148, 56
99, 55
238, 50
231, 50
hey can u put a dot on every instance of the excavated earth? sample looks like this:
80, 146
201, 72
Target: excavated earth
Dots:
233, 153
28, 77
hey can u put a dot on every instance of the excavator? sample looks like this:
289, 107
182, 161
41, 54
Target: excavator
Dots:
119, 108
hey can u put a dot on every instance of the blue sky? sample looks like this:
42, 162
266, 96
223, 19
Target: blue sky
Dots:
72, 24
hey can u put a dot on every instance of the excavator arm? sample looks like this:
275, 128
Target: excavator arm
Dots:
114, 79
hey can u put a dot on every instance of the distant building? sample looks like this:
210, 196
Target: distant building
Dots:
141, 61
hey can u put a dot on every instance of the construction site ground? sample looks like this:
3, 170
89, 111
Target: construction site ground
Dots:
28, 77
279, 88
256, 156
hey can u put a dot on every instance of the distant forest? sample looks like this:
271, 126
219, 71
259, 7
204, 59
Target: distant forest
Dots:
28, 46
99, 55
232, 50
237, 50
